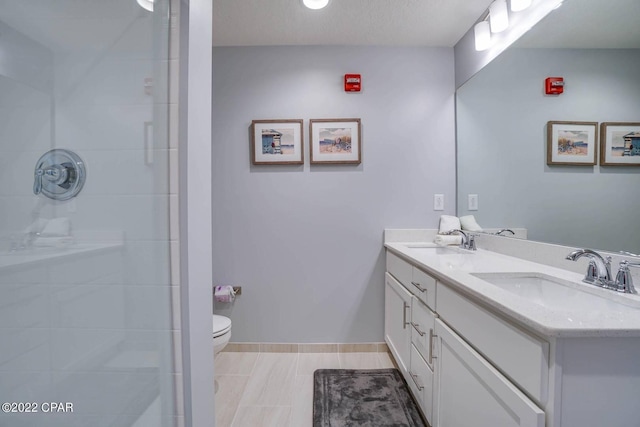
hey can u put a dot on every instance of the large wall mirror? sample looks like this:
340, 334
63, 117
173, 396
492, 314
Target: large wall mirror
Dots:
502, 114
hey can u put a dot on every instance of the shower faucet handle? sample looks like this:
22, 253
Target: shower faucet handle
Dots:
37, 185
59, 174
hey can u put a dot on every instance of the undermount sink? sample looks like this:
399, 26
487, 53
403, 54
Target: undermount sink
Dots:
551, 292
438, 250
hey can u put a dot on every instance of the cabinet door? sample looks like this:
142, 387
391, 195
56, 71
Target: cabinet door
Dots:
397, 318
471, 392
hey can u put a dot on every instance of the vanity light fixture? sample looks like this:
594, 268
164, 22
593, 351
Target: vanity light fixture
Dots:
482, 34
314, 4
519, 5
498, 16
146, 4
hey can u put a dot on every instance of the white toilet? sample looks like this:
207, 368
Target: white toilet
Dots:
221, 333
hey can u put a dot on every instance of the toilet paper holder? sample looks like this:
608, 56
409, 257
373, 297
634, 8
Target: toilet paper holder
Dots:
237, 290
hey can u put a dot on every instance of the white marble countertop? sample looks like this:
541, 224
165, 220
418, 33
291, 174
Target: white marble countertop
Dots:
620, 317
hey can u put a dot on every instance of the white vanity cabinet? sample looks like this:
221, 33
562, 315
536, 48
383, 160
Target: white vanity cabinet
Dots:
472, 375
410, 297
475, 355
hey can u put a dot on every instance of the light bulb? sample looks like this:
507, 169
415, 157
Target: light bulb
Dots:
146, 4
315, 4
482, 35
498, 16
519, 5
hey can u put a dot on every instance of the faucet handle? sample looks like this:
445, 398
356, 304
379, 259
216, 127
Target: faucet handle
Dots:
624, 281
471, 245
592, 272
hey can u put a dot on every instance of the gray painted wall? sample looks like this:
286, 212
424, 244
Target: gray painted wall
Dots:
502, 115
306, 242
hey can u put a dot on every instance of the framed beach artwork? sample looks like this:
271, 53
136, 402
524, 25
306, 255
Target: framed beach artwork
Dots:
572, 143
277, 142
335, 141
620, 144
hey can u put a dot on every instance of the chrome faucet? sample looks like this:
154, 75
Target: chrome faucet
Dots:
599, 271
504, 230
468, 240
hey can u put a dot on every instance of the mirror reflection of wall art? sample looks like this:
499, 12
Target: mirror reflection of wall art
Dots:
335, 141
277, 142
620, 144
572, 143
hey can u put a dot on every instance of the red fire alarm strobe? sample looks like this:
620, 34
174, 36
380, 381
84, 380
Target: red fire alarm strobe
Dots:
352, 82
554, 85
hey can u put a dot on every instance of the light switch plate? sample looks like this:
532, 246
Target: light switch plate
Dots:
438, 202
473, 202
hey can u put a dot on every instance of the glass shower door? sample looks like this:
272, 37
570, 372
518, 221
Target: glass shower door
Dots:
86, 327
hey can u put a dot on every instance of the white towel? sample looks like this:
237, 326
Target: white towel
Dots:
469, 223
444, 240
37, 226
54, 242
449, 222
57, 227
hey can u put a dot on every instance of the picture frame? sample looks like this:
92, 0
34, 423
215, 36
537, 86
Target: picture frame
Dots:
277, 142
619, 144
335, 141
572, 143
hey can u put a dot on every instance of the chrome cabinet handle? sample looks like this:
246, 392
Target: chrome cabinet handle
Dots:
431, 356
415, 325
404, 316
420, 288
414, 377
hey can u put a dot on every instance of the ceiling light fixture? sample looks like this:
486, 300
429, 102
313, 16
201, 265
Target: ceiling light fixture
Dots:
482, 34
146, 4
499, 16
519, 5
314, 4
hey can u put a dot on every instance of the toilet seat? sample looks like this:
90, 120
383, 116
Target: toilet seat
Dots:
221, 325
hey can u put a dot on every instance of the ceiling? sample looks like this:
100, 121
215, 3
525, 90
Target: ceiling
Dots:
577, 24
588, 24
344, 22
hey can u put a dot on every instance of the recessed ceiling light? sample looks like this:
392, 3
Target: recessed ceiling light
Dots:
315, 4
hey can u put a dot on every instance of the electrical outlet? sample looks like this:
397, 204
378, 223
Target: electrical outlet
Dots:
473, 202
438, 202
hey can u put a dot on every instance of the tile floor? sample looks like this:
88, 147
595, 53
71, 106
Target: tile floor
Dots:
276, 389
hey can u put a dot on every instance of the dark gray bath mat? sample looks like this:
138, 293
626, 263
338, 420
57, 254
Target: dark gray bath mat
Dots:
363, 398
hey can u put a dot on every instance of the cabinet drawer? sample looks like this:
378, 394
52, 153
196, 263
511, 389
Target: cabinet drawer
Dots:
422, 324
400, 269
520, 356
424, 287
417, 281
421, 383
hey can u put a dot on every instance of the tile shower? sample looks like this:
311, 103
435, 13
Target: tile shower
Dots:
86, 318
